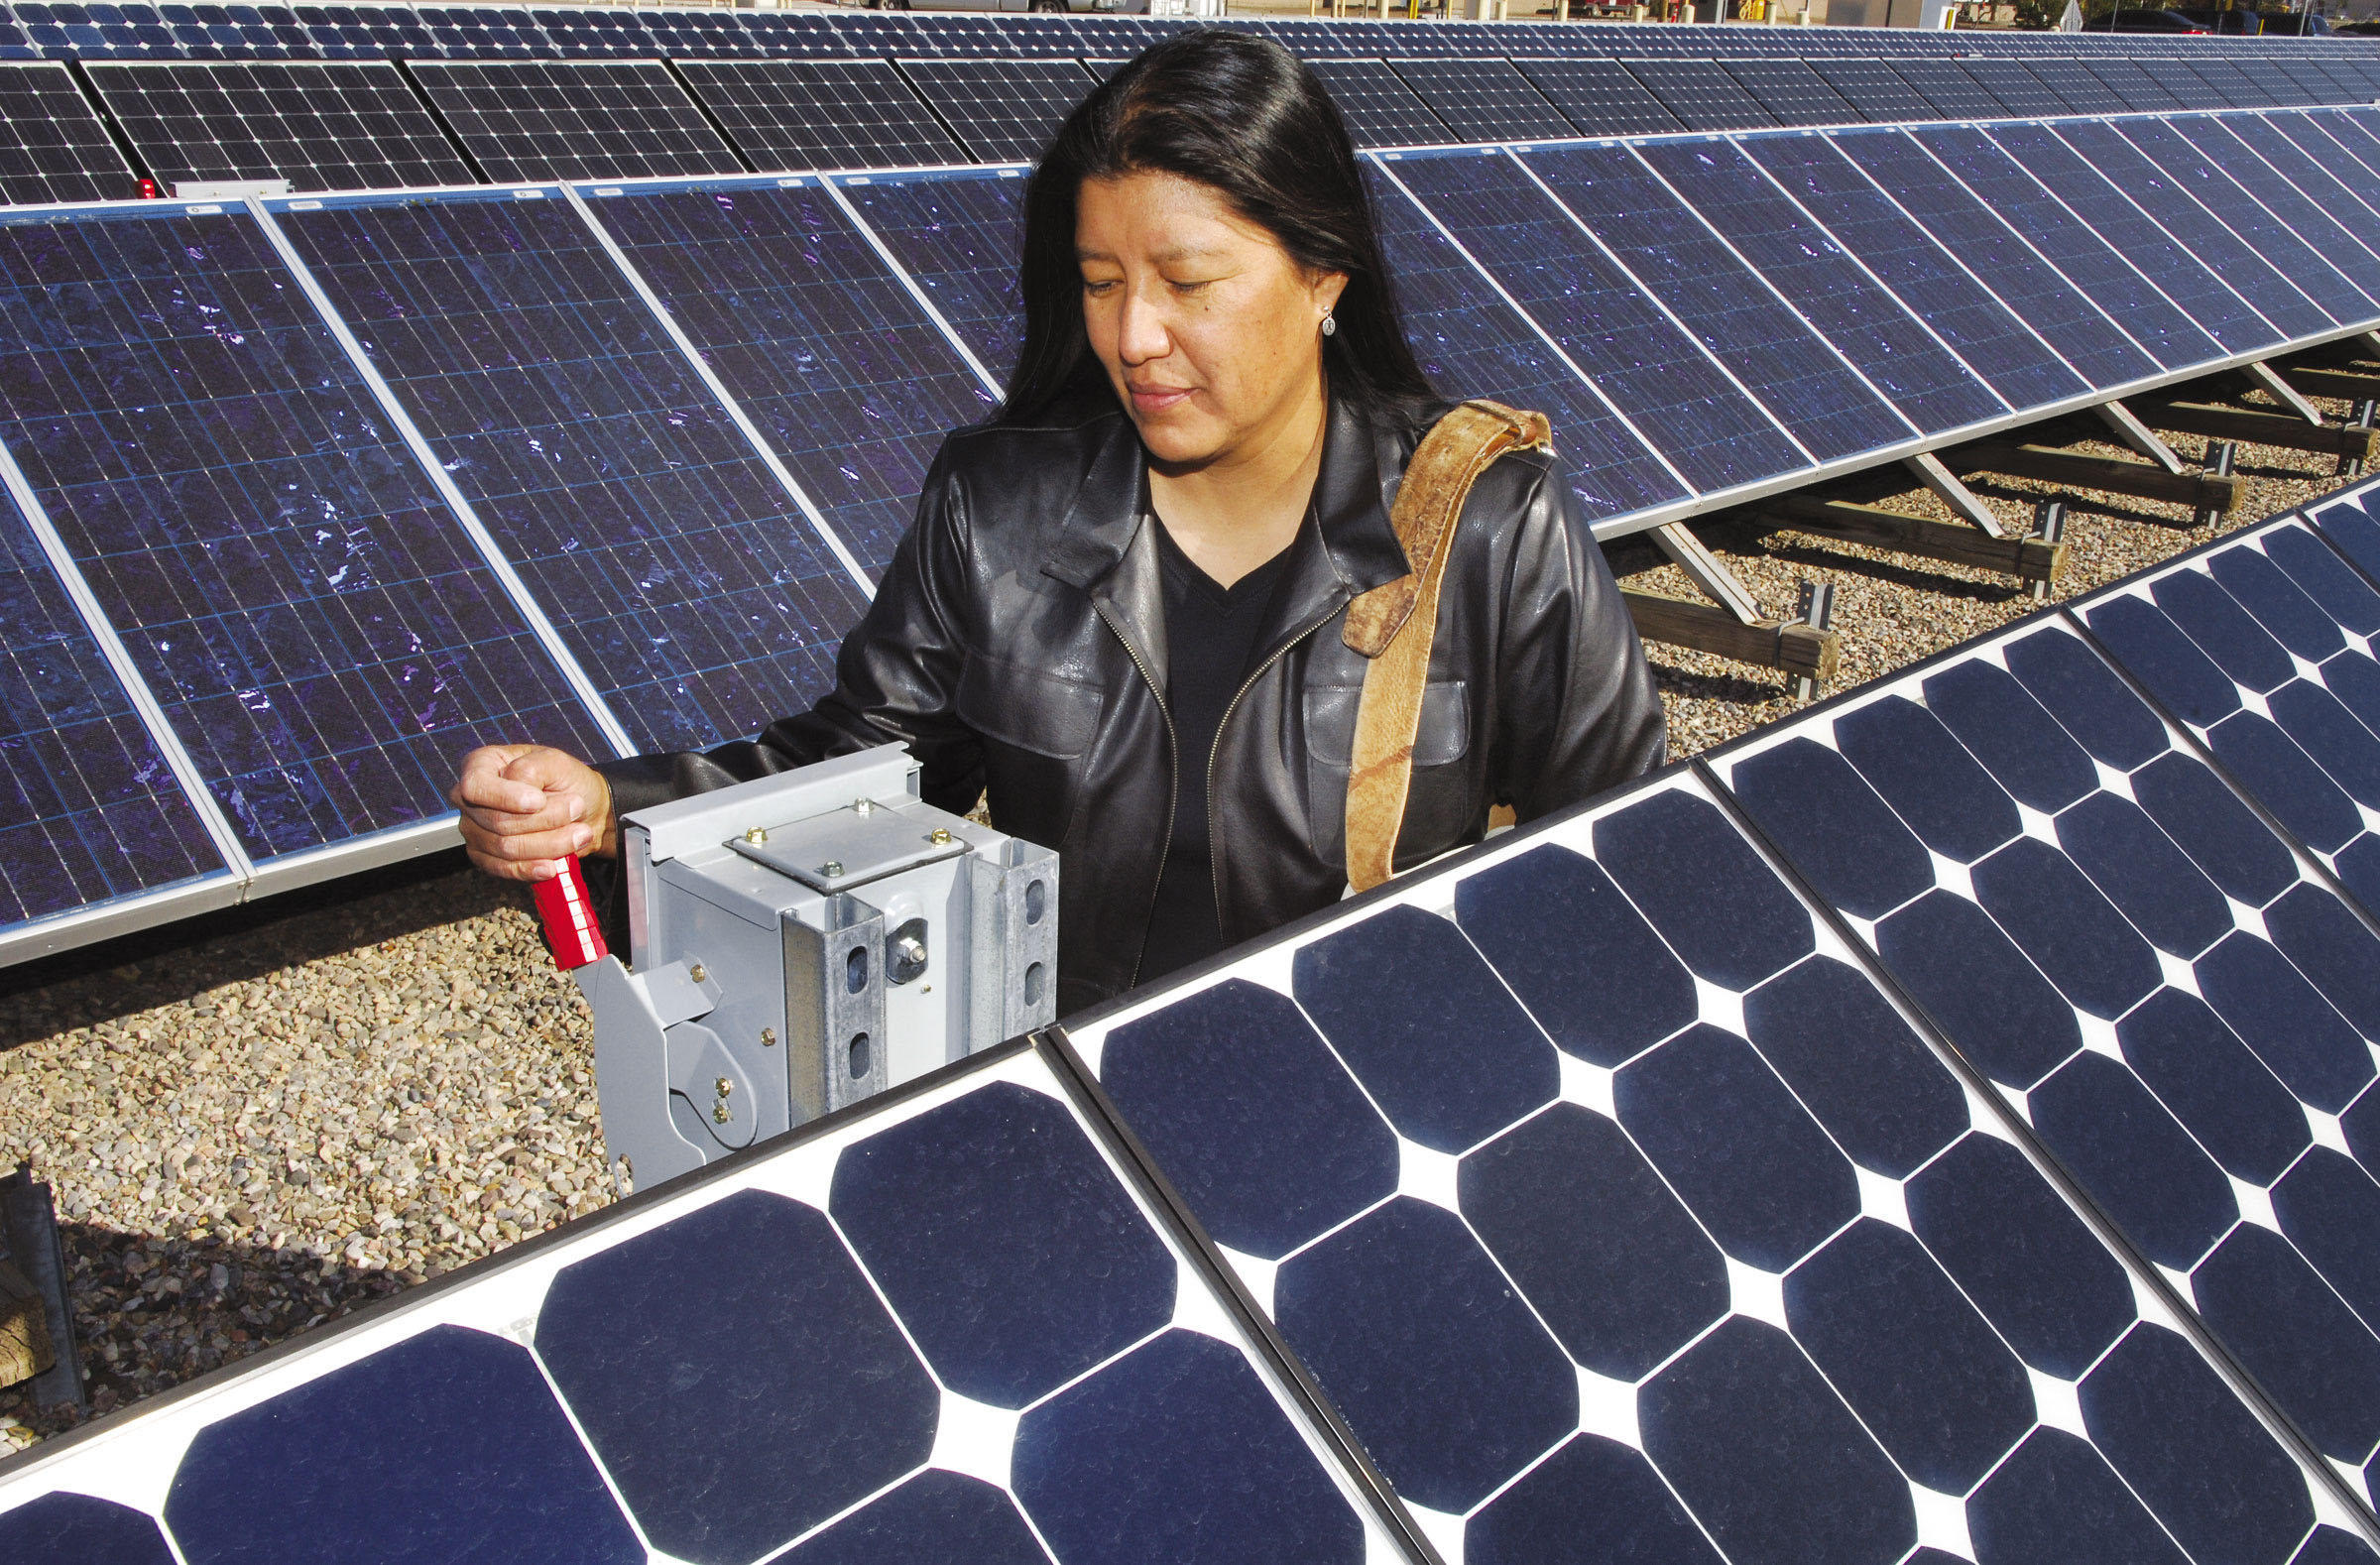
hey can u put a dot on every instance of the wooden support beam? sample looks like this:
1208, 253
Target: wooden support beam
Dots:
2121, 475
2026, 558
2352, 384
2260, 428
1795, 648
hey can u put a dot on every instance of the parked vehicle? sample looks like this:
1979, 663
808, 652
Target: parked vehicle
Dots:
2237, 24
2297, 24
2142, 19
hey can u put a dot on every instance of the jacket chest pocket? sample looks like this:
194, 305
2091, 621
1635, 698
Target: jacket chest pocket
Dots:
1036, 726
1442, 737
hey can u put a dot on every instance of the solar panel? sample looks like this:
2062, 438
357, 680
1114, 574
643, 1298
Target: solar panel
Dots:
1706, 1251
1677, 398
90, 812
2262, 88
53, 148
1483, 99
1951, 88
2350, 520
679, 573
2187, 87
2133, 84
1875, 89
1764, 342
2287, 229
849, 381
820, 113
2075, 86
321, 125
1600, 97
2018, 89
2224, 648
1792, 92
959, 1326
1005, 110
1379, 109
1473, 343
2023, 277
2168, 260
1701, 93
958, 236
526, 120
2162, 1002
1830, 289
2263, 136
316, 627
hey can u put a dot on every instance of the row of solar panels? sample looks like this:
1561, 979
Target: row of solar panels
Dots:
353, 125
316, 496
106, 29
1941, 1128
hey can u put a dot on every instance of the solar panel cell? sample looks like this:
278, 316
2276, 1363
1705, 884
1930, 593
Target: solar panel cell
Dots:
1005, 110
53, 148
77, 1527
1379, 109
551, 119
322, 126
1600, 97
820, 113
1483, 99
681, 574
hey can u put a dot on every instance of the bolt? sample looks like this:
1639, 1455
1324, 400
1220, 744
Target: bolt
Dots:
724, 1086
831, 868
863, 806
941, 837
757, 834
720, 1114
768, 1038
699, 973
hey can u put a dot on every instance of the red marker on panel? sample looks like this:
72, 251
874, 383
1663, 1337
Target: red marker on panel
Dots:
569, 917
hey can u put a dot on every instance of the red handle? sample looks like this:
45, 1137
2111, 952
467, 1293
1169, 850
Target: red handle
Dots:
569, 917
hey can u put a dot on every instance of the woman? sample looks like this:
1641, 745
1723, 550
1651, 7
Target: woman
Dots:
1117, 613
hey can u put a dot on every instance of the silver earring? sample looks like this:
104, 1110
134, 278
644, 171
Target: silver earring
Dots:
1328, 326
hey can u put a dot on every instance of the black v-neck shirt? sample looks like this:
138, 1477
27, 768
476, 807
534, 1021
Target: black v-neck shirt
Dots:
1211, 646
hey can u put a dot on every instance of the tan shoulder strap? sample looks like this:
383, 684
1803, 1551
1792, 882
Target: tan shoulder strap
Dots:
1394, 625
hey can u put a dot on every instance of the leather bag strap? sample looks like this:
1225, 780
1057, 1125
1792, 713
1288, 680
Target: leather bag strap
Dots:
1394, 625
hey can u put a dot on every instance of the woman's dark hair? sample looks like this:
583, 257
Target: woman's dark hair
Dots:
1245, 118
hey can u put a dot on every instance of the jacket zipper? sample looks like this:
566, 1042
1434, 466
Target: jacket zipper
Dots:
1213, 841
1173, 789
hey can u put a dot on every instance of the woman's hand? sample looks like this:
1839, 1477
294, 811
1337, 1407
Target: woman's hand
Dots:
523, 806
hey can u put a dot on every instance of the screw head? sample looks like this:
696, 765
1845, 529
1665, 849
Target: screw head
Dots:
757, 834
941, 837
863, 806
725, 1086
720, 1114
768, 1038
698, 973
831, 868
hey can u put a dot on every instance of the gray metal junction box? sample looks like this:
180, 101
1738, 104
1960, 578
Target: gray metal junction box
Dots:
800, 942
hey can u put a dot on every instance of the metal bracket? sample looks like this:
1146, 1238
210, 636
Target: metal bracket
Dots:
2139, 436
1817, 612
1704, 571
2268, 380
1950, 492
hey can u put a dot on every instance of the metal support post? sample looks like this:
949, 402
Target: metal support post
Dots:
2139, 436
2221, 457
2268, 380
2048, 520
1817, 612
2349, 464
1950, 492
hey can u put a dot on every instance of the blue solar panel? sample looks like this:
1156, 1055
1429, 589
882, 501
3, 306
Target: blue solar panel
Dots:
846, 376
959, 235
1600, 97
2031, 284
2208, 638
1704, 1252
1473, 343
1690, 409
1875, 89
1378, 106
1701, 93
2170, 260
1919, 268
2135, 85
315, 622
2337, 199
2351, 522
680, 573
1951, 88
1483, 99
1824, 284
1005, 110
2172, 1000
1792, 92
1767, 344
954, 1328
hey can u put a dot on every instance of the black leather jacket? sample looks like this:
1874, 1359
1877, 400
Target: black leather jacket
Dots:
1017, 647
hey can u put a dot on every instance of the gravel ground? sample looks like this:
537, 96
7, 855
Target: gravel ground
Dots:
256, 1133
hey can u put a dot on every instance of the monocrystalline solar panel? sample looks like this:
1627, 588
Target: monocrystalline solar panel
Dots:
1705, 1249
958, 236
1723, 302
53, 148
1005, 110
820, 113
2095, 265
1701, 93
1824, 284
2168, 260
1600, 97
2314, 83
678, 570
2191, 88
2262, 86
2163, 1005
2022, 277
842, 372
313, 621
2132, 83
1919, 269
2072, 81
1379, 109
1875, 89
90, 811
1951, 88
1792, 92
2019, 91
1681, 402
1473, 343
960, 1326
526, 120
1483, 99
338, 125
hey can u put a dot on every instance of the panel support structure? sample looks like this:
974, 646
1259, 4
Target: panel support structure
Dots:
2032, 560
2215, 494
2139, 436
1950, 492
1704, 568
2268, 380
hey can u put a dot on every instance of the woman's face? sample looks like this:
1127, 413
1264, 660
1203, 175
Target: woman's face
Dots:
1211, 334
